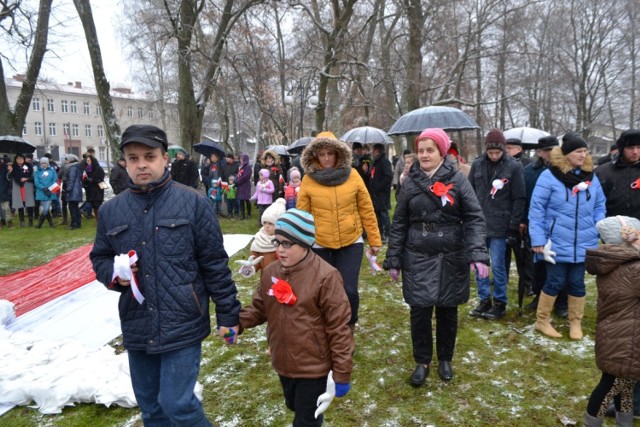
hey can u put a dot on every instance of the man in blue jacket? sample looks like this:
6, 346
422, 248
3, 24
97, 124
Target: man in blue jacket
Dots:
178, 264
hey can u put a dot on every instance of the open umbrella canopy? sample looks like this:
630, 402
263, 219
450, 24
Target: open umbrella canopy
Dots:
280, 150
297, 146
12, 144
528, 136
207, 148
366, 135
446, 118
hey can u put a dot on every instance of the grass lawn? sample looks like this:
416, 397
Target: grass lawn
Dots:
506, 374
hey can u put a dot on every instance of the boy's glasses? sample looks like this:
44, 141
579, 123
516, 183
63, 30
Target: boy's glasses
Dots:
284, 243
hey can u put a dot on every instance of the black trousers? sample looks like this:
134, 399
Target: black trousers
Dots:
74, 210
301, 396
611, 388
422, 334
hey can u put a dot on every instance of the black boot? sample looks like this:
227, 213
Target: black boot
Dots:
64, 216
50, 220
30, 213
497, 311
21, 216
40, 221
482, 308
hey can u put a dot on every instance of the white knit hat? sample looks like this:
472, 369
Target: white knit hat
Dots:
610, 227
273, 212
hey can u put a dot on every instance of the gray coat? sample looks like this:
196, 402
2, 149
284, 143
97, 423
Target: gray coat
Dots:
433, 244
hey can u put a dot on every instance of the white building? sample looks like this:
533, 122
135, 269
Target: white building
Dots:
67, 118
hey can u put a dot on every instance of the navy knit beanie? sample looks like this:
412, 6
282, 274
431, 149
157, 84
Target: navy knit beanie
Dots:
571, 141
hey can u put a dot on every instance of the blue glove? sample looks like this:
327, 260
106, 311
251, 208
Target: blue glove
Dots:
342, 389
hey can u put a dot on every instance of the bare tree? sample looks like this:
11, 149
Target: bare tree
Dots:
33, 39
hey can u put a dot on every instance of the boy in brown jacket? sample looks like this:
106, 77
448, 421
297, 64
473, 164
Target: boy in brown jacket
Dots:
303, 300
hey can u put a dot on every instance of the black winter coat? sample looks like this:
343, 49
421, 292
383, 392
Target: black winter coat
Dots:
433, 244
185, 172
119, 179
503, 212
181, 261
91, 181
379, 185
616, 178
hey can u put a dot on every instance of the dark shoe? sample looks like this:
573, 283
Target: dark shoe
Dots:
444, 370
419, 375
40, 221
533, 305
482, 308
562, 312
497, 311
50, 221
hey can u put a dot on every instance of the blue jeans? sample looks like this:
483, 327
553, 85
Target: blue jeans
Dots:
497, 246
563, 272
46, 204
347, 261
163, 385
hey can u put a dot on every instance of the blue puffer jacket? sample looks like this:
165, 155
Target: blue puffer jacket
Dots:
43, 179
73, 184
181, 263
568, 219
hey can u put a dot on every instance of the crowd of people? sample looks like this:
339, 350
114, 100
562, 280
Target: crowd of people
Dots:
324, 212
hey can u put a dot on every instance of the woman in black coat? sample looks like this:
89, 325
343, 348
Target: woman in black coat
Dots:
93, 182
438, 230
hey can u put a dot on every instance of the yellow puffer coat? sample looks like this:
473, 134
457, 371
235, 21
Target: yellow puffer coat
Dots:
341, 212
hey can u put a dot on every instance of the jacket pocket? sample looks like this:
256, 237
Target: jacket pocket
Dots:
174, 237
117, 238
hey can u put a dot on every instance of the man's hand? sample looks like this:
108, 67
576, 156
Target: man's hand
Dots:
122, 282
524, 229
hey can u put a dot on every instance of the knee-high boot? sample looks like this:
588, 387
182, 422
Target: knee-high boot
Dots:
576, 312
50, 220
543, 316
40, 221
21, 216
31, 215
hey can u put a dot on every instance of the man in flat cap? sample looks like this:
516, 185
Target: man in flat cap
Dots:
160, 246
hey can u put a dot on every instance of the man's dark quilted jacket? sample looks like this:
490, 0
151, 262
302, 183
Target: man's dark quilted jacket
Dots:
181, 261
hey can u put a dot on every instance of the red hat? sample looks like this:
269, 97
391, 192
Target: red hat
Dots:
438, 136
495, 139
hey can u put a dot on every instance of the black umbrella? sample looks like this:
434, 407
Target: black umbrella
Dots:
366, 135
207, 148
297, 146
15, 145
446, 118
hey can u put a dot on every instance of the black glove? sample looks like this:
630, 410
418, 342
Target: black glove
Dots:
47, 192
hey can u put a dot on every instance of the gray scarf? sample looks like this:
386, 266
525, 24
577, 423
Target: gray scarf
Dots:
331, 177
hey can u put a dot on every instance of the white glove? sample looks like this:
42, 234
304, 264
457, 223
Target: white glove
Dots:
247, 270
121, 267
548, 253
324, 400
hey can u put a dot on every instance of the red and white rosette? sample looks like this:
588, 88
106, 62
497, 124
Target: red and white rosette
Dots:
497, 185
122, 268
580, 187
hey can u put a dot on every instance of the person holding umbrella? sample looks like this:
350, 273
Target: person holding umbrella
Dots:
333, 192
438, 231
22, 193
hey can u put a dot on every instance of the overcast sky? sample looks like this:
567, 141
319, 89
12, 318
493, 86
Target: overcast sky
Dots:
68, 59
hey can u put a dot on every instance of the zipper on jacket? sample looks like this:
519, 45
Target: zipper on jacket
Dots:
575, 231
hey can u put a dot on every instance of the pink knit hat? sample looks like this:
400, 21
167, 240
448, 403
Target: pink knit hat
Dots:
439, 136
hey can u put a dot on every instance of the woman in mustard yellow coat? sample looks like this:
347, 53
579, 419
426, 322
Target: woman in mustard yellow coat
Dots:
338, 199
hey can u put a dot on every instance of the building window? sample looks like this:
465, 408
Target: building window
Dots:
87, 130
130, 111
24, 129
51, 105
151, 113
75, 130
36, 104
100, 131
64, 106
98, 110
74, 107
52, 129
66, 129
87, 108
140, 112
102, 153
38, 128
